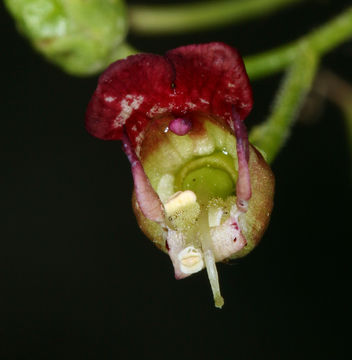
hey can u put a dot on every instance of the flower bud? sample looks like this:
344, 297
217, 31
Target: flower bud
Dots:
81, 36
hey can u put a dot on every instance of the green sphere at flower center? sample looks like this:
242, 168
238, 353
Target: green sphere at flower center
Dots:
210, 182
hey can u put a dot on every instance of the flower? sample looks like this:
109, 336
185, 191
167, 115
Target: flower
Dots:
202, 193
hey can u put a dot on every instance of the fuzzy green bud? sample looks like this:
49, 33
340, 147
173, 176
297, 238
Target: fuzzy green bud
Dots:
81, 36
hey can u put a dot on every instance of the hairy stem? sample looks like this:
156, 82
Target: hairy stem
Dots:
171, 19
339, 92
271, 135
321, 40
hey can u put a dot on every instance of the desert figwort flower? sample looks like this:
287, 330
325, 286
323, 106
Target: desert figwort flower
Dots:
202, 193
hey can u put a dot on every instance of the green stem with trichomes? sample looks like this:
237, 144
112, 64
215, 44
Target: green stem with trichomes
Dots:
302, 57
321, 40
272, 134
172, 19
339, 92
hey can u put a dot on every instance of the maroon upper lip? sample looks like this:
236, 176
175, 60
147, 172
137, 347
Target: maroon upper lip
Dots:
210, 78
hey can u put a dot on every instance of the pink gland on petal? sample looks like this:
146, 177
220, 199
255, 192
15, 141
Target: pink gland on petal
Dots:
180, 126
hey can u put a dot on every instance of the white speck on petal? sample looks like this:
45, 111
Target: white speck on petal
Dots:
191, 105
109, 99
230, 85
204, 101
229, 98
128, 104
157, 110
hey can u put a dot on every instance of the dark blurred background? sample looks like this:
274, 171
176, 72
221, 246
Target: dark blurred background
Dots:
78, 279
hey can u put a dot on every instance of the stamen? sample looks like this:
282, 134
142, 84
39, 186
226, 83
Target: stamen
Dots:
176, 243
180, 200
243, 186
191, 260
182, 210
214, 216
148, 200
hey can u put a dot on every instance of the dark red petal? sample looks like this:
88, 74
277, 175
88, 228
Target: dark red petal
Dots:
243, 185
127, 91
211, 78
208, 78
148, 200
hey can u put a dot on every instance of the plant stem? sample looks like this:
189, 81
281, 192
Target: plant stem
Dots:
171, 19
320, 40
339, 92
272, 134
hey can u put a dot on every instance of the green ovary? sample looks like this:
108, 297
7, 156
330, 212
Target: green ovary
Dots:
209, 182
211, 176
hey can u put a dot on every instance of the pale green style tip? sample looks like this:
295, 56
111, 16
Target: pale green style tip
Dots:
219, 302
81, 36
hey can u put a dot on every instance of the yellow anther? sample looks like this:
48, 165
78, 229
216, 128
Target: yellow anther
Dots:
180, 200
191, 260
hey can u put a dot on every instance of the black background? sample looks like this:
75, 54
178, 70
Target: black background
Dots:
78, 280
